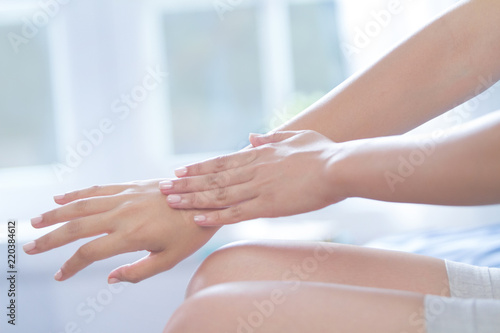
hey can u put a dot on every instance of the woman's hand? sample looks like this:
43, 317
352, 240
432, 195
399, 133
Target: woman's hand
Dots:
134, 216
286, 173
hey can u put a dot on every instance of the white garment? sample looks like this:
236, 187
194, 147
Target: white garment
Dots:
474, 306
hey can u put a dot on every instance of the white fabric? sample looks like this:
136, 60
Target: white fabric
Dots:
474, 305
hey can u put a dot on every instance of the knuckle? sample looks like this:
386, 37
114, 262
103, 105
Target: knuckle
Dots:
94, 189
199, 200
251, 156
220, 162
226, 177
217, 216
183, 183
212, 181
217, 180
258, 169
221, 195
235, 214
268, 149
196, 169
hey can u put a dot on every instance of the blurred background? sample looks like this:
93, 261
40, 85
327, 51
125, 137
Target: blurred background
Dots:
95, 92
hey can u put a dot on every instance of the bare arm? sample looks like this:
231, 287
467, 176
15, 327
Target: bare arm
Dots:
294, 172
440, 67
462, 168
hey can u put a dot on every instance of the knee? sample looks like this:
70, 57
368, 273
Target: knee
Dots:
191, 316
227, 264
212, 310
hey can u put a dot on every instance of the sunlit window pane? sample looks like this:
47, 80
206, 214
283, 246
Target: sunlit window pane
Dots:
317, 59
215, 79
27, 135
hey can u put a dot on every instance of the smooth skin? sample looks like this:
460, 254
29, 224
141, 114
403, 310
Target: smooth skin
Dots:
243, 307
438, 68
321, 262
290, 173
284, 286
132, 217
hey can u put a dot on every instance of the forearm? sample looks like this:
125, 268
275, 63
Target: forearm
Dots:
461, 168
449, 61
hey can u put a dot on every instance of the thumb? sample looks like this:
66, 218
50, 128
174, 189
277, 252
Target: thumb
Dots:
144, 268
261, 139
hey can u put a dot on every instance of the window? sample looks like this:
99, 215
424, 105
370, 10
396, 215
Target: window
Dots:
27, 119
230, 72
215, 79
317, 60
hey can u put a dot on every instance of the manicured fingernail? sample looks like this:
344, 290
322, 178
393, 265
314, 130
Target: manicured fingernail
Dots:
29, 246
113, 281
174, 198
58, 275
200, 219
36, 220
181, 172
58, 197
166, 185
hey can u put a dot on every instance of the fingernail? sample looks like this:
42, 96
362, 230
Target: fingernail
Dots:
36, 220
174, 198
166, 185
58, 197
200, 219
29, 246
181, 171
113, 281
58, 275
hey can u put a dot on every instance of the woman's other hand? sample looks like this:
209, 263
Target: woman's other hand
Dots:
286, 173
132, 217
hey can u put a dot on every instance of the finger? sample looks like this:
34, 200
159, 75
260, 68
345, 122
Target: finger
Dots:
218, 164
98, 249
92, 191
142, 269
80, 228
76, 209
261, 139
217, 198
206, 182
247, 210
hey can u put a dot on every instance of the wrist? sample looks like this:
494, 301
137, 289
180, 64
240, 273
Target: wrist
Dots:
340, 173
357, 169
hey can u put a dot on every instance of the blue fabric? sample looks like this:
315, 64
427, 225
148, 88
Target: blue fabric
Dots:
478, 246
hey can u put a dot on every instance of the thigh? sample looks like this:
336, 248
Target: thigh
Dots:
322, 262
273, 306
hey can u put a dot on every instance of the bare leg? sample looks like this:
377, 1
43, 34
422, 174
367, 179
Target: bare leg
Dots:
273, 306
322, 262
